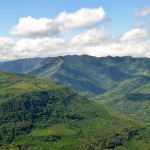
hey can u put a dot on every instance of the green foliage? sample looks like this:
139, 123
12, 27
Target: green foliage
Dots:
130, 97
39, 114
42, 114
86, 74
21, 65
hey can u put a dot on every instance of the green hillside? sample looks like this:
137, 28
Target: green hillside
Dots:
121, 83
91, 75
21, 65
85, 74
131, 97
129, 65
41, 114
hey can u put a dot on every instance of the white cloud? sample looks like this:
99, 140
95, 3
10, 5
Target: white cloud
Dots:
135, 34
82, 18
39, 47
6, 48
96, 42
64, 22
142, 12
91, 37
6, 43
32, 27
99, 42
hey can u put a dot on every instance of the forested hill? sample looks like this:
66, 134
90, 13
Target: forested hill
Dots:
86, 74
42, 114
120, 83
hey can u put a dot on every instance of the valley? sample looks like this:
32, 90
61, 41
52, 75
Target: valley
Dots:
109, 110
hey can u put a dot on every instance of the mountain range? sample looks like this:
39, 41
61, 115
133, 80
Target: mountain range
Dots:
83, 73
121, 83
111, 87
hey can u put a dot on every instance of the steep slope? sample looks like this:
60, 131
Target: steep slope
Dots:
130, 97
92, 75
129, 65
39, 114
21, 65
86, 74
122, 83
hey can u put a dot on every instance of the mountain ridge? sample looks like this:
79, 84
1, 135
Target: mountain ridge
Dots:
102, 74
42, 114
113, 81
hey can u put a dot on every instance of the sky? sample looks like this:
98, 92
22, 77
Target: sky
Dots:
50, 28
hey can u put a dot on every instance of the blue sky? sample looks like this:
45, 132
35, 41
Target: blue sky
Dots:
120, 12
119, 19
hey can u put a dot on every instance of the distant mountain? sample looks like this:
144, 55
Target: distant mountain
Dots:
121, 83
92, 75
86, 74
21, 65
40, 114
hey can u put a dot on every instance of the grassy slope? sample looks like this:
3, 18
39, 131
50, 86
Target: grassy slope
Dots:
86, 74
38, 114
130, 97
92, 75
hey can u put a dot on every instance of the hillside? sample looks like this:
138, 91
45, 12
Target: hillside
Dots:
42, 114
86, 74
21, 65
131, 97
120, 83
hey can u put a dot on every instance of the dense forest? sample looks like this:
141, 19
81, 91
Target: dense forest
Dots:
42, 114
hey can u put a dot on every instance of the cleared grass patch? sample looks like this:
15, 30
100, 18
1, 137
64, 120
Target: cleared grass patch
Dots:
23, 86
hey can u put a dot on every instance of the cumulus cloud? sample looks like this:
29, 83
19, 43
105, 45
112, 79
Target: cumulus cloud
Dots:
96, 42
6, 48
26, 48
6, 43
82, 18
31, 27
99, 42
135, 34
44, 47
91, 37
64, 22
142, 12
41, 40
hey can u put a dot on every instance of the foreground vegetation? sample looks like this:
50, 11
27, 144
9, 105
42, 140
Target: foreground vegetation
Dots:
39, 114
